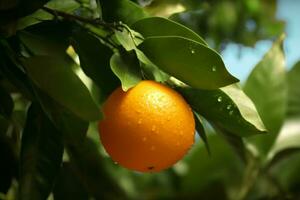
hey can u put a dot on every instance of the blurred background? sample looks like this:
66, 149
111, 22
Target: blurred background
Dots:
240, 59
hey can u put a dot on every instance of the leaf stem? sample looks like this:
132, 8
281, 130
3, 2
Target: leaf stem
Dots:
251, 173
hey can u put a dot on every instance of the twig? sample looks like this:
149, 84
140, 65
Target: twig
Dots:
97, 21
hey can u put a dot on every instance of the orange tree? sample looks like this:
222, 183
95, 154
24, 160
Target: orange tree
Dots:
60, 60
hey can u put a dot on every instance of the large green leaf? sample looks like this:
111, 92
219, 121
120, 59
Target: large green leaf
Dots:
293, 109
57, 79
164, 27
121, 10
94, 61
126, 67
88, 164
266, 86
41, 155
228, 108
187, 60
74, 129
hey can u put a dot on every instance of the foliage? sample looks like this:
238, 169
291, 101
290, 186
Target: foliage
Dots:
60, 59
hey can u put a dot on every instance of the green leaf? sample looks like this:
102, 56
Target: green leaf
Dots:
236, 142
266, 86
201, 131
4, 123
41, 155
9, 162
126, 68
7, 104
127, 37
287, 142
150, 71
188, 61
14, 74
68, 185
22, 8
286, 173
41, 15
94, 61
121, 10
88, 164
165, 27
74, 129
47, 38
227, 107
220, 166
293, 107
57, 79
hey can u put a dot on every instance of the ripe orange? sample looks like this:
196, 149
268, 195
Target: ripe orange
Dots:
148, 128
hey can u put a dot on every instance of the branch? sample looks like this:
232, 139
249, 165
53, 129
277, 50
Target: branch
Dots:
68, 16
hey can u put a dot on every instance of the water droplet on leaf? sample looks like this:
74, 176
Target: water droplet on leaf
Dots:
214, 68
228, 107
219, 99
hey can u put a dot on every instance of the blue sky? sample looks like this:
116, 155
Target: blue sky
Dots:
239, 61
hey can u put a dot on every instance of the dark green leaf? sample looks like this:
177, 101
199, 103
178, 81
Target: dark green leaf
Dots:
41, 155
41, 15
165, 27
89, 166
267, 88
47, 38
287, 143
286, 173
14, 74
7, 103
4, 123
20, 9
220, 166
201, 131
68, 185
74, 129
126, 68
8, 167
94, 61
187, 60
56, 79
227, 107
293, 109
121, 10
236, 142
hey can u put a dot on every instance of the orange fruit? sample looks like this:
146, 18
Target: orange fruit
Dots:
148, 128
